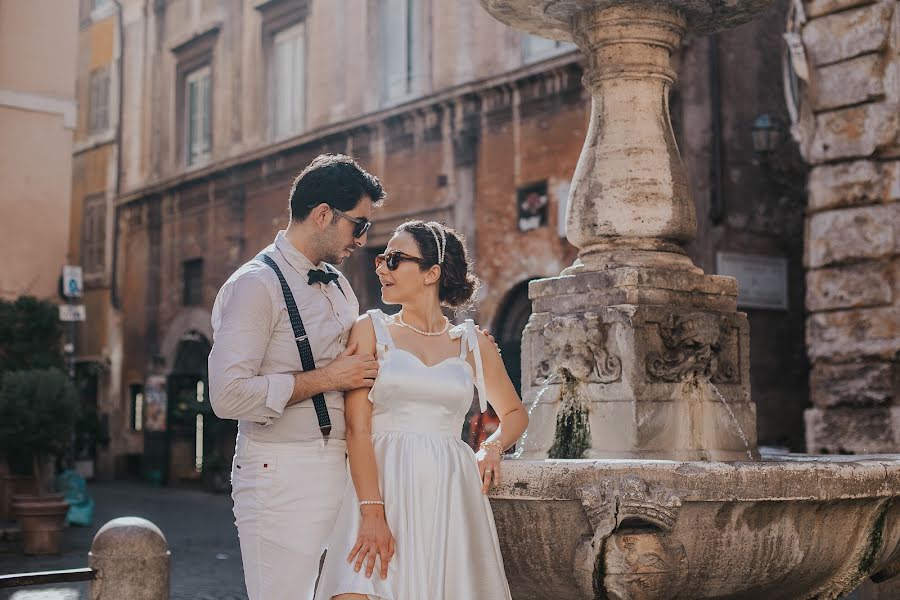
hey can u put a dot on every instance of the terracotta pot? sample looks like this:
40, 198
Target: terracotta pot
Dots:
42, 519
12, 485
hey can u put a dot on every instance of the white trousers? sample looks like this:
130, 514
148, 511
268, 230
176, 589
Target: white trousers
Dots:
286, 499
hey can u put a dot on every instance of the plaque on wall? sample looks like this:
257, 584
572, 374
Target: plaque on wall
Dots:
762, 280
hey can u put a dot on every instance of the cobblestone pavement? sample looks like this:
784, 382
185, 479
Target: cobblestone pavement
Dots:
206, 560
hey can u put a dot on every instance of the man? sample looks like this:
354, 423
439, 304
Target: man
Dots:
289, 472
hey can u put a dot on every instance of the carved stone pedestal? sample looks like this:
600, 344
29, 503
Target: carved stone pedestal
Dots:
640, 350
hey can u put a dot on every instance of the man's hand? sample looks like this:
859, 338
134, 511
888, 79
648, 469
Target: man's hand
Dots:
486, 334
349, 371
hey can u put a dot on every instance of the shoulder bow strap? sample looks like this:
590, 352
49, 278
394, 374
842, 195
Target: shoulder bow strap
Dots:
470, 343
382, 336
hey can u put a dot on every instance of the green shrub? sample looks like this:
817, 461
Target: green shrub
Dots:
30, 334
38, 411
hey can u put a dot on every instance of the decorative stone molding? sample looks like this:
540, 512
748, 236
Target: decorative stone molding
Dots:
694, 349
612, 502
279, 14
197, 45
577, 343
65, 107
644, 565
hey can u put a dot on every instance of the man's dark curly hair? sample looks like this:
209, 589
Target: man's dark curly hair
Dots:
338, 181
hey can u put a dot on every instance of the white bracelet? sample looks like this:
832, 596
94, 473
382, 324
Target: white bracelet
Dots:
365, 502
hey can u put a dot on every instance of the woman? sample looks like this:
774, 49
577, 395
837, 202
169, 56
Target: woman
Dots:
416, 523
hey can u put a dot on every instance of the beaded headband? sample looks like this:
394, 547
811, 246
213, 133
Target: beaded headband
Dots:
435, 229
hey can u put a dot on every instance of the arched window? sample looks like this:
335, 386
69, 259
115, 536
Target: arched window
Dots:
512, 316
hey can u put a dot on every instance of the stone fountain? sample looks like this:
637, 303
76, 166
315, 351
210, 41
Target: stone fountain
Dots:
639, 476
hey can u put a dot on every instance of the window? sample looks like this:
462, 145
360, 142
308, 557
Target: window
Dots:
401, 48
198, 109
137, 406
101, 3
193, 282
98, 108
532, 204
288, 81
536, 48
193, 97
93, 235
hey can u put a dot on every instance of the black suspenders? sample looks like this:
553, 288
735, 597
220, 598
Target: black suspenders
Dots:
306, 355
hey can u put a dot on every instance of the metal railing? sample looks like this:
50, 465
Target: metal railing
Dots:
47, 577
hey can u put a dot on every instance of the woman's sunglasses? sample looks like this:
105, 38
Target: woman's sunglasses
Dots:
360, 225
393, 259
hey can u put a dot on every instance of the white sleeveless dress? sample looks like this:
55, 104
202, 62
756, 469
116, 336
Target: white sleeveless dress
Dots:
443, 528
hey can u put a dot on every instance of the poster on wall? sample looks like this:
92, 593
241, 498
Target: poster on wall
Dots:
532, 203
155, 403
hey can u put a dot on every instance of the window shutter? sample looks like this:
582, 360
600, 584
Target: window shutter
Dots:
282, 84
289, 80
394, 43
192, 121
298, 79
206, 111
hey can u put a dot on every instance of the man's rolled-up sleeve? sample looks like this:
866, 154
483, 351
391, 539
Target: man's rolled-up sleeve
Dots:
243, 322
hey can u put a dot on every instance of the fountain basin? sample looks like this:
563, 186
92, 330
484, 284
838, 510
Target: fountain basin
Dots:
553, 18
792, 528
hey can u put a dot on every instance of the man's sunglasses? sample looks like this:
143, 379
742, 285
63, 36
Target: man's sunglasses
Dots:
393, 259
360, 225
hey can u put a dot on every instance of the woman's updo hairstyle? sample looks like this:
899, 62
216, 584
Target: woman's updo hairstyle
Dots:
457, 285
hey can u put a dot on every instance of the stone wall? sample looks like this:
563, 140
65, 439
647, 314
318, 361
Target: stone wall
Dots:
850, 135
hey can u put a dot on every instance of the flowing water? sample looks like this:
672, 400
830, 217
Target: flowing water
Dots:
520, 447
733, 418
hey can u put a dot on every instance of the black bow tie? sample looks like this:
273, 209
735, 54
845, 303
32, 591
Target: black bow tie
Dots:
320, 276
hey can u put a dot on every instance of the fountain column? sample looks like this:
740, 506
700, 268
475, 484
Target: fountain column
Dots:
633, 352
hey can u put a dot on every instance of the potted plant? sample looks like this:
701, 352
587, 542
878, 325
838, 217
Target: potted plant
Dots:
15, 479
30, 338
38, 410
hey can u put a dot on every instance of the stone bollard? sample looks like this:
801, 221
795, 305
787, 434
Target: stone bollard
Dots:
131, 557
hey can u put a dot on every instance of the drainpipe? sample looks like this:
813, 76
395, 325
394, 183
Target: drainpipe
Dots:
114, 287
717, 204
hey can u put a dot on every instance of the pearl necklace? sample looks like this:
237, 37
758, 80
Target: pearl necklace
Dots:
403, 323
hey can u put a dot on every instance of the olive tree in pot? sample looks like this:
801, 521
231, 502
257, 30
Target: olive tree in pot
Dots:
30, 338
38, 410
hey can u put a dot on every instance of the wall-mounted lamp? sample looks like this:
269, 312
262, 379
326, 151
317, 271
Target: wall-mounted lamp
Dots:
765, 135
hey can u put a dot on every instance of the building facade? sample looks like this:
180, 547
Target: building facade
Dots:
37, 117
464, 120
94, 186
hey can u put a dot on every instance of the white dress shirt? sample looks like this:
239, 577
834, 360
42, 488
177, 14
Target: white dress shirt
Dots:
254, 355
